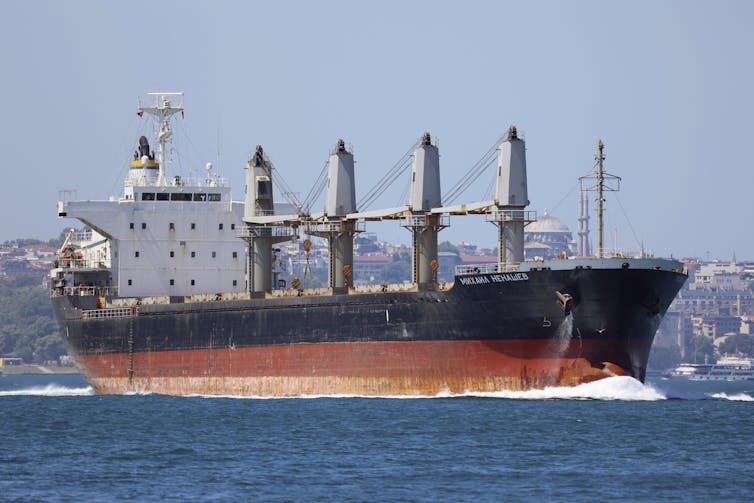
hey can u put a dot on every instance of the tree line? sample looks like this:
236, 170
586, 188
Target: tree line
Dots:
28, 328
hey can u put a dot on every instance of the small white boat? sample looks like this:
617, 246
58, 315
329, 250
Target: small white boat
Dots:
729, 374
727, 368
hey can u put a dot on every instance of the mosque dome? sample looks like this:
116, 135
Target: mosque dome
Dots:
548, 237
547, 223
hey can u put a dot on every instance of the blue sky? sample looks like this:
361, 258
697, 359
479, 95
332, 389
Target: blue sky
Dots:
668, 86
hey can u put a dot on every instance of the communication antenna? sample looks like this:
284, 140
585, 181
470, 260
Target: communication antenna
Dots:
164, 106
604, 182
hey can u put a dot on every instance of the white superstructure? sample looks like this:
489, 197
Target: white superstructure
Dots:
169, 237
163, 236
727, 368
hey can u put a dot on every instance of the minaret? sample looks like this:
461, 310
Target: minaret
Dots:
424, 226
259, 202
511, 199
583, 245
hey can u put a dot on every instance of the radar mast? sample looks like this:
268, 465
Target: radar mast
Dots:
165, 106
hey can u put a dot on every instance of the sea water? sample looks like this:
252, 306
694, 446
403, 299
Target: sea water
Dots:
614, 439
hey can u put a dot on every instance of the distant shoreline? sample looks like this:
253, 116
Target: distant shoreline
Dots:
38, 369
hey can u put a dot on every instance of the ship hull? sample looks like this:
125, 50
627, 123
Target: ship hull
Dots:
364, 369
487, 333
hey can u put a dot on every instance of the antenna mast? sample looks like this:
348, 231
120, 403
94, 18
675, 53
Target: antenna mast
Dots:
162, 109
603, 180
600, 199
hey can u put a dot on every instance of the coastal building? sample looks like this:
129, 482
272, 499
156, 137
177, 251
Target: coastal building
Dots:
11, 361
747, 325
716, 274
716, 327
714, 302
370, 267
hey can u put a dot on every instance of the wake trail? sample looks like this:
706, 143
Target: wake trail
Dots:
49, 390
619, 388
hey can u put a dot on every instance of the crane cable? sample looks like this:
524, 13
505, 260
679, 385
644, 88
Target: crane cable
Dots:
472, 174
315, 191
288, 194
388, 179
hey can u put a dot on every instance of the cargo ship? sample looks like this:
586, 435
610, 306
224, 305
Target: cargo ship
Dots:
171, 288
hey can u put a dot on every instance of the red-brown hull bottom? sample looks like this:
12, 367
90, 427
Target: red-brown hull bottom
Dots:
368, 369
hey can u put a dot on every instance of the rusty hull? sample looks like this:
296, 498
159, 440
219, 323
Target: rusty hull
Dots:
365, 369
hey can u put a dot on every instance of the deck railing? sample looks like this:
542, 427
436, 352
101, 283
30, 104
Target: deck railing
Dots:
487, 268
118, 312
85, 291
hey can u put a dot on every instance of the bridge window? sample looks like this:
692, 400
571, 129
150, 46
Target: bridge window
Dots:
263, 187
213, 197
147, 196
200, 197
163, 196
180, 196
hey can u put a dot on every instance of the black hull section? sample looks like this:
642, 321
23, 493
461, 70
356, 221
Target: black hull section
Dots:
619, 309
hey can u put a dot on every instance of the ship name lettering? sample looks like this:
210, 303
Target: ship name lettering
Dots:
514, 276
474, 280
494, 278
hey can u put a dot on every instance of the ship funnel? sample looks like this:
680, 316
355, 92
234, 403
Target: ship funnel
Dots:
144, 170
143, 149
341, 188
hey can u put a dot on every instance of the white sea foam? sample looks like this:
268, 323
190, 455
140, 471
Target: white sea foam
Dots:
312, 397
738, 397
49, 390
706, 390
621, 388
610, 388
